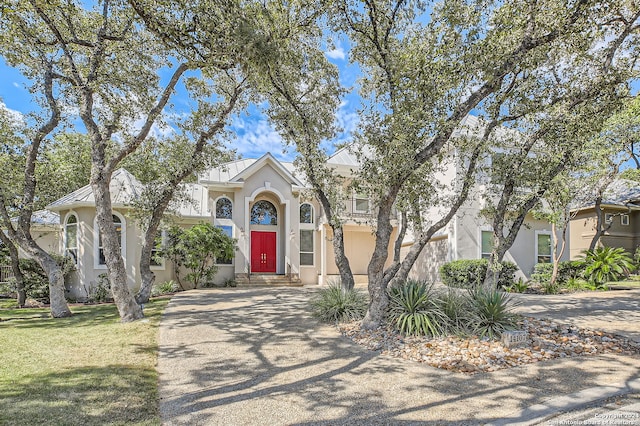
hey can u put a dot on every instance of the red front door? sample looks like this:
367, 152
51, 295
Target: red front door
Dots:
263, 251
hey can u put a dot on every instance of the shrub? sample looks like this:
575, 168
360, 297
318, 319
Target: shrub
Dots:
166, 287
607, 264
333, 304
470, 273
196, 249
567, 270
101, 292
413, 309
36, 281
519, 286
455, 308
492, 312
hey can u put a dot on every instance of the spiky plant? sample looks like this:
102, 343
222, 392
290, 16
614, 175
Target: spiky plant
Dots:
413, 309
492, 312
334, 304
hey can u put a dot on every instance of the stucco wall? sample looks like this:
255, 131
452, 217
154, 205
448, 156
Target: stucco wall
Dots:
432, 257
523, 251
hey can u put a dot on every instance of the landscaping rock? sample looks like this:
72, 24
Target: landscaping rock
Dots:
471, 355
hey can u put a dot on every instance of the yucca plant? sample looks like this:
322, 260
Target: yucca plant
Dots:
492, 312
607, 264
413, 309
334, 304
455, 308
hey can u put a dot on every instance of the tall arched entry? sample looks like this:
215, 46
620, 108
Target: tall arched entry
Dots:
264, 237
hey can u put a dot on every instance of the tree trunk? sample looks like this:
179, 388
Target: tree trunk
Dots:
15, 268
342, 262
57, 301
128, 309
147, 276
599, 221
375, 272
555, 257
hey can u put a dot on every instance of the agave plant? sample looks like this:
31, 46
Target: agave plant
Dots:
413, 309
334, 304
455, 307
492, 312
607, 264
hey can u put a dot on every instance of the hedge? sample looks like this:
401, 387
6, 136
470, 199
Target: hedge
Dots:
470, 273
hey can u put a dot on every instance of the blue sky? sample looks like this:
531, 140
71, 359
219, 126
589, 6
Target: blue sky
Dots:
254, 136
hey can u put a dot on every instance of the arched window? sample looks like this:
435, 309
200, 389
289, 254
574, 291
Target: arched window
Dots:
118, 224
264, 213
71, 237
224, 208
306, 213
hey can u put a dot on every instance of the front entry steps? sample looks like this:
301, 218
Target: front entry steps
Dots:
267, 280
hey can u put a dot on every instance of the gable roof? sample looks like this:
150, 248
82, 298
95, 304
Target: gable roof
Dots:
124, 187
236, 172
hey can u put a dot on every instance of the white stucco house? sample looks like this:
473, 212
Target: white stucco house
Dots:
281, 231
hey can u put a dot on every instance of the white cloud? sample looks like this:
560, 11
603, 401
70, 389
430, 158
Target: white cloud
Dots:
256, 138
16, 117
336, 53
16, 84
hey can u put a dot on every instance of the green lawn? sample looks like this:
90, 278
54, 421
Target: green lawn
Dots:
85, 370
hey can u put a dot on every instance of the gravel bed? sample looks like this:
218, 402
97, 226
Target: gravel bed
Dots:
547, 339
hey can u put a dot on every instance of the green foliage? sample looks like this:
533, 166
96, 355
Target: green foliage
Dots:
334, 304
414, 310
196, 249
101, 292
36, 281
519, 286
470, 273
167, 287
454, 305
492, 312
607, 264
578, 284
567, 270
636, 257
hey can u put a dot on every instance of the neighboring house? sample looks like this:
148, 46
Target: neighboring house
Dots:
620, 208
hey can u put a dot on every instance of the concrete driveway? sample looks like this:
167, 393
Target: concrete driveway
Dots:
255, 356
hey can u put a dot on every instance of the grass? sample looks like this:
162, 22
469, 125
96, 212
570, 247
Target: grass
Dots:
85, 370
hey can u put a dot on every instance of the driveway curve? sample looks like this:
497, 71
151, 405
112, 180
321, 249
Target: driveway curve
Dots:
256, 356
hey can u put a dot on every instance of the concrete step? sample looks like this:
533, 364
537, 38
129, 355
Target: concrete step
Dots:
257, 280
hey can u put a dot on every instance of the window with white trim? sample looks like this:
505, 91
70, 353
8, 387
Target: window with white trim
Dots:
486, 246
306, 213
624, 220
71, 237
224, 208
306, 247
118, 224
264, 213
543, 247
608, 217
229, 231
361, 203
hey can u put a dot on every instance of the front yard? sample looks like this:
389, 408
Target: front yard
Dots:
85, 370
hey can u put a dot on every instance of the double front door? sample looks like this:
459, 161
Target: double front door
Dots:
263, 251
